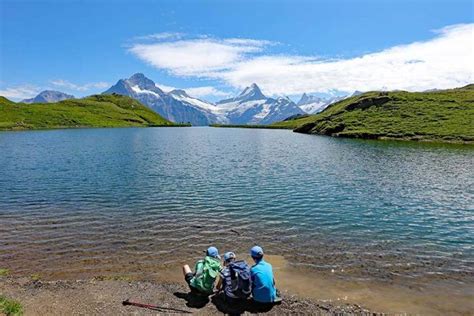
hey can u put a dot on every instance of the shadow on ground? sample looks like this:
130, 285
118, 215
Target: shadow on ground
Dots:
193, 300
238, 308
235, 308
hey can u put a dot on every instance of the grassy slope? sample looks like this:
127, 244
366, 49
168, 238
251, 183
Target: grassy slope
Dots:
445, 115
93, 111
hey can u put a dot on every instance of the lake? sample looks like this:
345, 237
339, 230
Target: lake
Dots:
89, 202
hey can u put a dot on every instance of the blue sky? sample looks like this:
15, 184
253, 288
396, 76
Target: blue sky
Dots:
215, 48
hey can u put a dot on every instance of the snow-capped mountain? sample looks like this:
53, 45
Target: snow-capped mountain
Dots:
251, 106
312, 104
210, 110
175, 106
49, 96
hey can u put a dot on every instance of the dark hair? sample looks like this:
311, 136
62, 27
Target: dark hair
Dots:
258, 258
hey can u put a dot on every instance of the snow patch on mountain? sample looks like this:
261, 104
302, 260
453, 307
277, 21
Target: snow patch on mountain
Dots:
138, 90
251, 106
181, 95
312, 104
176, 106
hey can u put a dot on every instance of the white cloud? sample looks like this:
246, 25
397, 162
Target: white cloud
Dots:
20, 92
192, 57
200, 92
77, 87
445, 61
161, 36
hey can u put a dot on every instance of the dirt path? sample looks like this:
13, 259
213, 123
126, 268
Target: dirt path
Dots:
95, 297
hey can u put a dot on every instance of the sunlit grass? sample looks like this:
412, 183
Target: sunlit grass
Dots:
10, 307
444, 115
93, 111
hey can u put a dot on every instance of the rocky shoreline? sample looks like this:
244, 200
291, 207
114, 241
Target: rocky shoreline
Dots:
104, 297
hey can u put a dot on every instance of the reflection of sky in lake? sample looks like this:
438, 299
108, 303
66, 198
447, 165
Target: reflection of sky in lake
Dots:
101, 195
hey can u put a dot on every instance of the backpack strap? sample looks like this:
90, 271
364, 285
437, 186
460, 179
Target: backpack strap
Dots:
199, 269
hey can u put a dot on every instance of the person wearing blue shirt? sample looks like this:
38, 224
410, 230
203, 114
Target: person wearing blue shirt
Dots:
263, 282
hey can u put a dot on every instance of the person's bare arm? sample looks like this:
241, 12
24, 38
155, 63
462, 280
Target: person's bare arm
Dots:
186, 269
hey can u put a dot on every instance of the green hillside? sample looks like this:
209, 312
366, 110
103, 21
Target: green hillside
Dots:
93, 111
442, 115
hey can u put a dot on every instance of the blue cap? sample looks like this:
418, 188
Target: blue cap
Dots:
213, 252
229, 255
256, 252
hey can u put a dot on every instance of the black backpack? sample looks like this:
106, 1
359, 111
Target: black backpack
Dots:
241, 281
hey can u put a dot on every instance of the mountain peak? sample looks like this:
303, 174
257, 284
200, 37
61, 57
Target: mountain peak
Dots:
49, 96
137, 76
142, 81
136, 84
252, 92
249, 89
306, 99
179, 92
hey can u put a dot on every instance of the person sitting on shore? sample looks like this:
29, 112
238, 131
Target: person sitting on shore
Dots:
235, 279
205, 273
263, 282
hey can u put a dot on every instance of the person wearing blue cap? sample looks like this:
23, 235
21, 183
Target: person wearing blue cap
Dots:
235, 280
263, 282
205, 272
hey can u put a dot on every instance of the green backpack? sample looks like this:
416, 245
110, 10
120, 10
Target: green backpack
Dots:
206, 273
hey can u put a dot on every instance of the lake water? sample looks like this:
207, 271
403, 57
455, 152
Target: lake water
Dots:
97, 201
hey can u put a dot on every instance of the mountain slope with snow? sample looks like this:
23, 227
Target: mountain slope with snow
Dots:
312, 104
251, 106
175, 106
210, 110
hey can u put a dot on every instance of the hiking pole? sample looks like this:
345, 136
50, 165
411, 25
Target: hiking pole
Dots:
154, 307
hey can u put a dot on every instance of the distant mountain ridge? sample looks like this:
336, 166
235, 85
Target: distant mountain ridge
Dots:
48, 96
251, 93
312, 104
251, 106
175, 106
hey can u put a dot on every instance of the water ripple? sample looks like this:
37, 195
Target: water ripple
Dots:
92, 201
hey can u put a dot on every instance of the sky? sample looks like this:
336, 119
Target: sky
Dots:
214, 49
